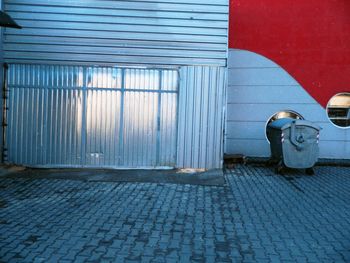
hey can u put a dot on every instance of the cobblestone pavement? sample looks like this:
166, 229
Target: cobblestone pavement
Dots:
256, 217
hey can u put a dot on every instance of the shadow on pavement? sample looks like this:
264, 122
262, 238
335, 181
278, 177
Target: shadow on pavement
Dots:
206, 178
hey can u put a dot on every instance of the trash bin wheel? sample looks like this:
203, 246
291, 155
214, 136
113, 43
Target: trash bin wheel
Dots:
280, 168
271, 162
309, 171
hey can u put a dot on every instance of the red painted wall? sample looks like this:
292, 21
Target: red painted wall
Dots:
310, 39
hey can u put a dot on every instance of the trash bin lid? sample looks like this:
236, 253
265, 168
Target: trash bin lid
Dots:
285, 123
304, 123
280, 123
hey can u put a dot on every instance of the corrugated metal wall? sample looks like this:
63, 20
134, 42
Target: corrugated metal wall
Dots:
163, 32
201, 117
68, 116
175, 34
111, 117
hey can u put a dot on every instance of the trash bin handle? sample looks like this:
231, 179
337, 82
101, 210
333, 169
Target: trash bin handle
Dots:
297, 142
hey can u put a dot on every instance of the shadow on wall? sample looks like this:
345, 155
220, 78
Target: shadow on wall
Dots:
7, 21
258, 88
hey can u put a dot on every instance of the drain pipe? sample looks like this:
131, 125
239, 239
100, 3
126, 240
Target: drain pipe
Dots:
4, 114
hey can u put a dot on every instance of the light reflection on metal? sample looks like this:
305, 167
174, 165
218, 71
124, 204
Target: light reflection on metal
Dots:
71, 116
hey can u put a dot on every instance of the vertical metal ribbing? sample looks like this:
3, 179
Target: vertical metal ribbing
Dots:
200, 127
4, 114
67, 134
178, 80
83, 122
121, 125
223, 97
159, 110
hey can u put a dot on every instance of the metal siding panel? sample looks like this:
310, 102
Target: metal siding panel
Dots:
253, 130
112, 19
247, 59
182, 110
110, 32
168, 130
140, 129
165, 45
201, 108
102, 120
257, 148
190, 110
65, 116
262, 112
197, 129
260, 77
168, 118
110, 28
330, 132
43, 122
103, 60
103, 107
245, 130
278, 95
335, 149
131, 5
204, 119
220, 85
188, 16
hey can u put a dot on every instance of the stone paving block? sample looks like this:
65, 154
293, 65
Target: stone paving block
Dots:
256, 216
148, 251
275, 258
111, 252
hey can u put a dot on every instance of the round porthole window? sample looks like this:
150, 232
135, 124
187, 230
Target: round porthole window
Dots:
282, 114
338, 110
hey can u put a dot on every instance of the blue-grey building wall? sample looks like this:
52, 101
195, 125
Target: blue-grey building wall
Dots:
257, 89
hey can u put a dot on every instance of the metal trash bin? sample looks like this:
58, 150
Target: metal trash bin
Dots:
293, 143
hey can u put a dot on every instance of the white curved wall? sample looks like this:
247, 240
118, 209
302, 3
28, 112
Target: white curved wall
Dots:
258, 88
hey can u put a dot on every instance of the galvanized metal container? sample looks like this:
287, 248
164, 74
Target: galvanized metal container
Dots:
294, 142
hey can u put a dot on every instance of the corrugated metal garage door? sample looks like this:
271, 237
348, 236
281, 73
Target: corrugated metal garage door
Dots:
68, 116
159, 32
